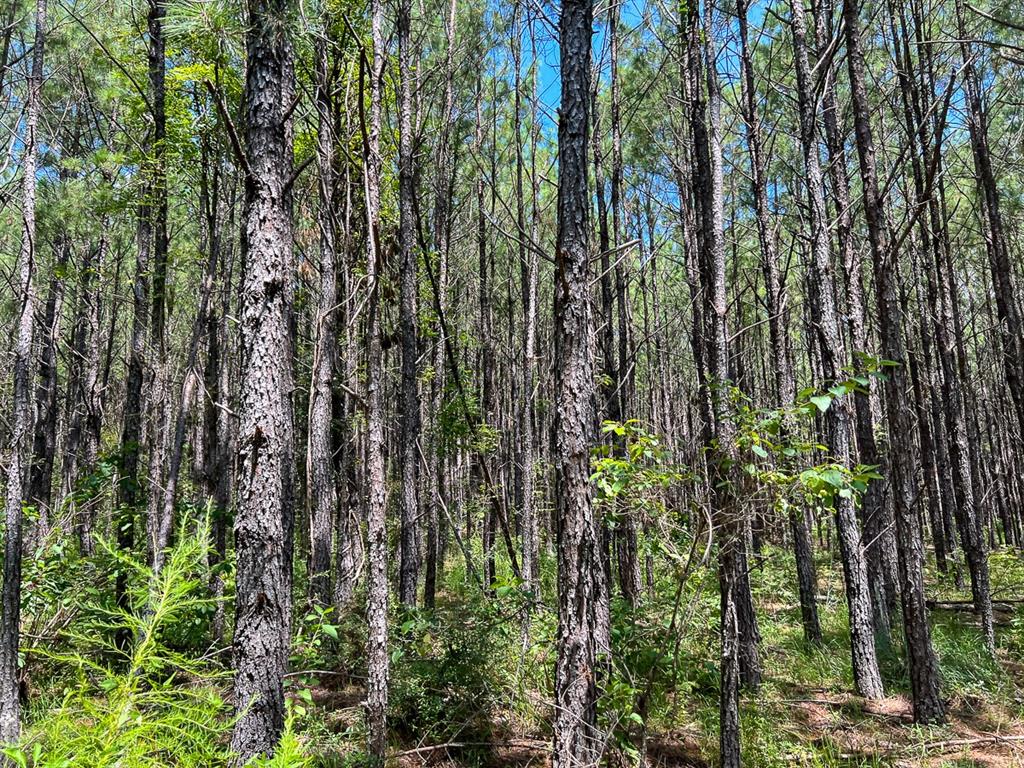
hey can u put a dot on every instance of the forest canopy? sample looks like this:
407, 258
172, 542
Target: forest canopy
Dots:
529, 383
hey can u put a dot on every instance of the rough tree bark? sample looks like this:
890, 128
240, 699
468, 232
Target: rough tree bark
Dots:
159, 520
528, 275
738, 661
20, 447
487, 363
408, 551
874, 512
924, 670
376, 503
996, 242
83, 398
217, 474
265, 416
322, 495
576, 737
776, 306
44, 443
866, 675
443, 192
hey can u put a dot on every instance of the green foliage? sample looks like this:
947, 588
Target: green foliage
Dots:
157, 702
776, 453
447, 670
290, 752
460, 424
314, 638
148, 706
632, 470
98, 484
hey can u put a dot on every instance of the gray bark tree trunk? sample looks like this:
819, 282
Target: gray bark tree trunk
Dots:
321, 480
866, 675
408, 551
376, 504
266, 430
577, 740
776, 301
924, 670
874, 513
44, 443
159, 522
20, 446
996, 243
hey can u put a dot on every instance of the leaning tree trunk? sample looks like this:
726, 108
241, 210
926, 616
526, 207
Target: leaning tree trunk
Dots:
265, 416
577, 740
20, 449
924, 670
866, 675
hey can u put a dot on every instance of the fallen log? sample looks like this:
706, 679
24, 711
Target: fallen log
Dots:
1005, 606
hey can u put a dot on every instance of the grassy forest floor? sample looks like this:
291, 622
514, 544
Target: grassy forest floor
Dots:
448, 713
465, 690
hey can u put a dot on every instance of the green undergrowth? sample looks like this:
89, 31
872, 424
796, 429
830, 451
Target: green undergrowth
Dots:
466, 673
130, 687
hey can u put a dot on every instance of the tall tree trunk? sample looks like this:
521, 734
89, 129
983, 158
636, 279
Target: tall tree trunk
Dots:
265, 415
528, 265
610, 375
924, 671
866, 675
625, 534
963, 500
83, 396
376, 504
444, 189
916, 126
20, 448
321, 482
158, 525
348, 537
874, 513
487, 363
44, 443
129, 486
186, 400
408, 551
776, 305
218, 468
577, 740
996, 243
739, 630
738, 640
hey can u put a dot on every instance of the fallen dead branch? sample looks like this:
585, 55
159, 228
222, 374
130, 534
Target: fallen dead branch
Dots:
527, 743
